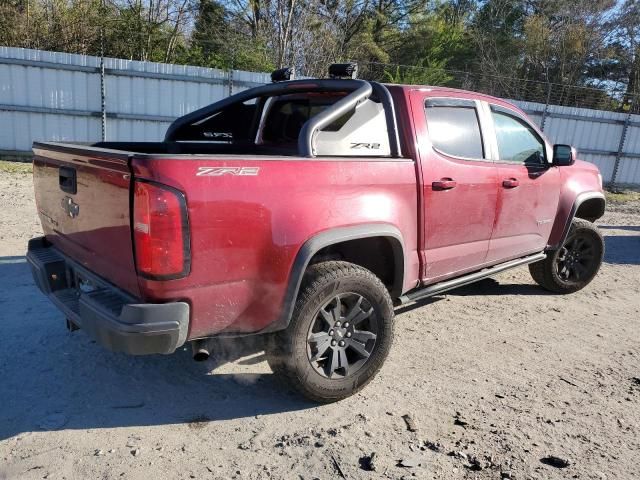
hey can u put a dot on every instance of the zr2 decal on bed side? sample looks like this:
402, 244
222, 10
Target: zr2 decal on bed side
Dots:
220, 171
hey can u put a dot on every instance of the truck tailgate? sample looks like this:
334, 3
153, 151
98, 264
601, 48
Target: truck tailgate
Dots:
83, 200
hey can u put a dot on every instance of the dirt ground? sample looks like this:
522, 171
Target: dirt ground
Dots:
496, 378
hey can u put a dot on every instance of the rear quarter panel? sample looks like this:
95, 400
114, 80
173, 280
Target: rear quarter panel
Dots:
247, 230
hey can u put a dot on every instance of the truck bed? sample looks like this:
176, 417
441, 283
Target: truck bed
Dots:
170, 148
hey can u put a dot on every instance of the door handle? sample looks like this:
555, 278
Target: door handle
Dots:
444, 184
510, 183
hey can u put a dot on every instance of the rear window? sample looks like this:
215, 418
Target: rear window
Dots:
454, 128
230, 125
286, 118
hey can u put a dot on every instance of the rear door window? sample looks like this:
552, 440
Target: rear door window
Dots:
454, 128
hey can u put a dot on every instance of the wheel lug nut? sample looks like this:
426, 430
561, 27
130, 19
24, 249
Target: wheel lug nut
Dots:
333, 343
346, 325
331, 332
337, 324
348, 334
341, 344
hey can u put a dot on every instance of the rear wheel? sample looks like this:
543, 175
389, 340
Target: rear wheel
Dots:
339, 335
575, 263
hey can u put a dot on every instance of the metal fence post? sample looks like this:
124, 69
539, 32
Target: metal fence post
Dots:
103, 101
545, 112
103, 96
623, 138
230, 81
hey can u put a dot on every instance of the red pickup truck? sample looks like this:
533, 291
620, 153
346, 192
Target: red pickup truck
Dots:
305, 211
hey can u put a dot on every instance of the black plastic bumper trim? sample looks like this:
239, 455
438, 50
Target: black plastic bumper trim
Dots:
116, 320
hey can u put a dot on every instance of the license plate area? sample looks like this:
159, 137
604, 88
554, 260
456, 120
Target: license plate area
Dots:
80, 282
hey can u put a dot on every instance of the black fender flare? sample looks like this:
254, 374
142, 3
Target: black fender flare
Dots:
580, 199
331, 237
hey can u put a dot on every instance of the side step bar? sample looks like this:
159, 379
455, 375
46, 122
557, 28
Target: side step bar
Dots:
440, 287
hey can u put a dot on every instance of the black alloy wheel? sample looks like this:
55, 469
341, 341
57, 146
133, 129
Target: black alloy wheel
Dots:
577, 258
575, 264
340, 332
343, 336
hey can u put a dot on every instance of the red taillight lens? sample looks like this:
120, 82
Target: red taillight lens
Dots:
160, 231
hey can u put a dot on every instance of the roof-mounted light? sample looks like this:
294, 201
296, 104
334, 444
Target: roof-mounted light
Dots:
282, 74
343, 70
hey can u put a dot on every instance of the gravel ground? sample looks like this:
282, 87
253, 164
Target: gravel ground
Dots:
495, 380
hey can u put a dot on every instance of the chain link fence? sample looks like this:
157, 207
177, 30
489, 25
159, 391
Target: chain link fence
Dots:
65, 97
603, 123
611, 97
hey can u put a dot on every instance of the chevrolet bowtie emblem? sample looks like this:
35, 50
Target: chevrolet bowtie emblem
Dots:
70, 207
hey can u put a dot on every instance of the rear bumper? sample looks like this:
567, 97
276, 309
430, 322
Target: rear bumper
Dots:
113, 318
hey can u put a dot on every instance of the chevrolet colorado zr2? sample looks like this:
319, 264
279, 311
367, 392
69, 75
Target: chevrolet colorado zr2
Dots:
304, 211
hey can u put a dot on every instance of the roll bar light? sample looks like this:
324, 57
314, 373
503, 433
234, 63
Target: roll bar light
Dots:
343, 70
282, 75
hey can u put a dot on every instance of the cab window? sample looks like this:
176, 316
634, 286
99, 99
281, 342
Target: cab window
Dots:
518, 142
454, 128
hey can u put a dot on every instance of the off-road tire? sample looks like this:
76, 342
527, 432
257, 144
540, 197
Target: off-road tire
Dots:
287, 350
546, 272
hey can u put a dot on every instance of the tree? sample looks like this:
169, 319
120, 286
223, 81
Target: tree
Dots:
627, 53
435, 41
218, 40
511, 48
209, 40
51, 24
152, 30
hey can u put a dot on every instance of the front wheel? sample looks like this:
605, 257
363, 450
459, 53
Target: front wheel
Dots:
340, 333
575, 263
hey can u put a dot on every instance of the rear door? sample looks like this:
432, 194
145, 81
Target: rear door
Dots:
459, 184
529, 186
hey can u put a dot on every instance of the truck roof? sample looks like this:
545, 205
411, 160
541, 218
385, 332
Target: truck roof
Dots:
461, 93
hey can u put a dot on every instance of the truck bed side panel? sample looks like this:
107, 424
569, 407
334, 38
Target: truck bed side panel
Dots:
246, 229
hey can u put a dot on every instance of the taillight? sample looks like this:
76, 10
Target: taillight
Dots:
160, 231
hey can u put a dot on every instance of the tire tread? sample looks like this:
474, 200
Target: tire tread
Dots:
279, 350
542, 272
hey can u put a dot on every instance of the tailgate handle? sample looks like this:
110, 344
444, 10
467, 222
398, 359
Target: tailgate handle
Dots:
68, 182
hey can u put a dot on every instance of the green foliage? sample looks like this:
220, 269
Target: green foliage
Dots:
511, 48
216, 43
433, 42
422, 74
19, 168
623, 196
59, 25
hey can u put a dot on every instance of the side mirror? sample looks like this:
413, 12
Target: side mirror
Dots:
564, 155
